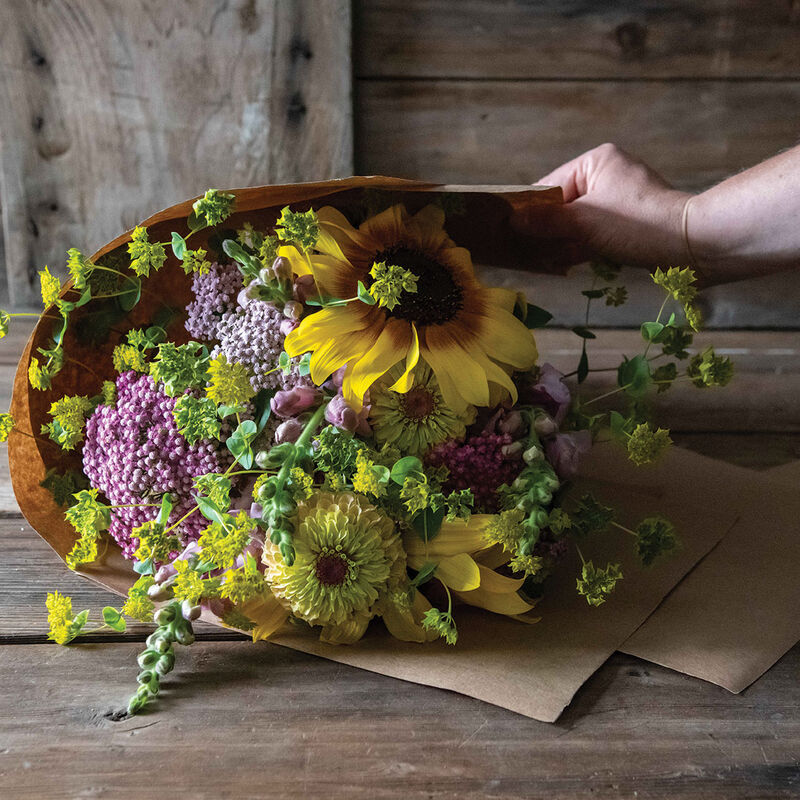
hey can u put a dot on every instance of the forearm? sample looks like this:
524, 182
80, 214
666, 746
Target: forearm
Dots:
749, 224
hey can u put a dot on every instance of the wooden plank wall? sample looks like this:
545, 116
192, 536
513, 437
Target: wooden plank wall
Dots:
112, 109
502, 91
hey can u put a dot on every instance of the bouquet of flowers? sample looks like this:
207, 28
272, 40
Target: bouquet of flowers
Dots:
340, 426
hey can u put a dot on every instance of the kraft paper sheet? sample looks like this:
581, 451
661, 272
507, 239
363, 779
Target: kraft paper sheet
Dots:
738, 611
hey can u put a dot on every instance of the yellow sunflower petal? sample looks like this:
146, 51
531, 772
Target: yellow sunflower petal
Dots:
508, 604
506, 339
505, 298
319, 328
447, 386
388, 227
352, 242
296, 259
337, 352
267, 613
406, 380
391, 346
451, 358
494, 373
427, 227
328, 246
458, 536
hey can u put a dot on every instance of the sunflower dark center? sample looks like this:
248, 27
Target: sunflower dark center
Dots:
438, 297
331, 570
418, 403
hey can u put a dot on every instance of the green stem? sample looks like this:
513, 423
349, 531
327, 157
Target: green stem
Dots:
311, 426
83, 366
116, 272
607, 394
658, 319
623, 528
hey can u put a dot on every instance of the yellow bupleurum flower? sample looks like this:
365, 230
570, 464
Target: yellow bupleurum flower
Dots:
59, 617
416, 420
466, 565
346, 551
464, 331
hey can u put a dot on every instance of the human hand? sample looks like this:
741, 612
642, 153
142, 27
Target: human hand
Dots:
615, 207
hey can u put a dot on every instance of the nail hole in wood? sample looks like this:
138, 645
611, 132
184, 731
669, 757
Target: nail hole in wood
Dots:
297, 109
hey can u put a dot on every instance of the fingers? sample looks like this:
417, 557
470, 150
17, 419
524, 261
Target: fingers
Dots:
571, 177
550, 221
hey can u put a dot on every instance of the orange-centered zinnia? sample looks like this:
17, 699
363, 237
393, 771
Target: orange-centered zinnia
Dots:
465, 331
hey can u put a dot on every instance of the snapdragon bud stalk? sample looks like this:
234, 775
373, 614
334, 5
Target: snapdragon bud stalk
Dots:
158, 657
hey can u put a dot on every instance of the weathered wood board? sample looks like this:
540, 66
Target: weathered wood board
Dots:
113, 109
259, 721
647, 39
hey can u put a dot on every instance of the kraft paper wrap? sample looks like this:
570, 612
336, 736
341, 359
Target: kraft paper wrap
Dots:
532, 669
738, 611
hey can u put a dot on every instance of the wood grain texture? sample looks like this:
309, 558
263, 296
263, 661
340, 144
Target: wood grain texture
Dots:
694, 132
547, 39
245, 721
123, 106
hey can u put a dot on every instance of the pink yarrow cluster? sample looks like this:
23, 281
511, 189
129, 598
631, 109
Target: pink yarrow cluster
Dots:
479, 463
134, 454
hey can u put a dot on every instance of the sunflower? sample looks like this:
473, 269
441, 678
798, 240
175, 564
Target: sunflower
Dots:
418, 419
346, 551
464, 331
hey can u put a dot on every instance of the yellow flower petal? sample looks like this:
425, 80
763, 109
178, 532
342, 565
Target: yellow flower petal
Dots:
493, 582
505, 298
459, 572
406, 380
348, 632
508, 604
267, 613
447, 357
404, 623
318, 329
494, 557
388, 226
427, 226
391, 346
296, 259
447, 386
506, 339
337, 352
494, 373
458, 536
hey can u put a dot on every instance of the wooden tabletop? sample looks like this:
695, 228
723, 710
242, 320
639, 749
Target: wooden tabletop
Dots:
240, 720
